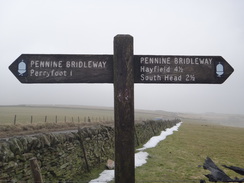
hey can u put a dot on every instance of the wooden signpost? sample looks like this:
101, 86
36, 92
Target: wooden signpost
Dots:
123, 69
44, 68
181, 69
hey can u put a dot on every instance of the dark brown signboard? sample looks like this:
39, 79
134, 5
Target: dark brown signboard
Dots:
181, 69
46, 68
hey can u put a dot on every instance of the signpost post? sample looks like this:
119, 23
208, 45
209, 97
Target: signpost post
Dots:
123, 69
124, 109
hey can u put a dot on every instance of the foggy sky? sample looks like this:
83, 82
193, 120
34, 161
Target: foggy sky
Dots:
159, 27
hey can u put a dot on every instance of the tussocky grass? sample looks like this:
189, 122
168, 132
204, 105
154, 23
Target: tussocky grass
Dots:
180, 156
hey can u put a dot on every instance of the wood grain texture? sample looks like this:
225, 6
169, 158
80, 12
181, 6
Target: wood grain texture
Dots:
124, 109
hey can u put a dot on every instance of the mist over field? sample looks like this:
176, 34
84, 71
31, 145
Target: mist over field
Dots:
169, 27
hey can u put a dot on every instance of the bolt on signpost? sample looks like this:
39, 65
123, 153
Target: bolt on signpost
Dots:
123, 69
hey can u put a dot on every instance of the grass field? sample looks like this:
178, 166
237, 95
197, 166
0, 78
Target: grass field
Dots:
39, 113
71, 113
26, 119
180, 157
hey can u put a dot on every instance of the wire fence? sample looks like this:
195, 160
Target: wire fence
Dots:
32, 119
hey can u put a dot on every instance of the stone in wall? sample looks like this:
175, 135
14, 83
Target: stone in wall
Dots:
64, 156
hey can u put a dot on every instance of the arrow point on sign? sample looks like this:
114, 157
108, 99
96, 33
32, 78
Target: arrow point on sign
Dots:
18, 69
227, 69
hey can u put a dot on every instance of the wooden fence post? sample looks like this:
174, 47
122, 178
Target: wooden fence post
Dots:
85, 156
36, 171
15, 116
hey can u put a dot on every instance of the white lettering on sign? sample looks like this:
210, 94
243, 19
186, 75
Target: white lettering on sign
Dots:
167, 78
46, 64
154, 69
52, 73
172, 78
86, 64
40, 68
190, 77
151, 77
155, 60
192, 61
172, 68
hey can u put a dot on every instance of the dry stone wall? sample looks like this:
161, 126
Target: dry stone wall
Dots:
64, 156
